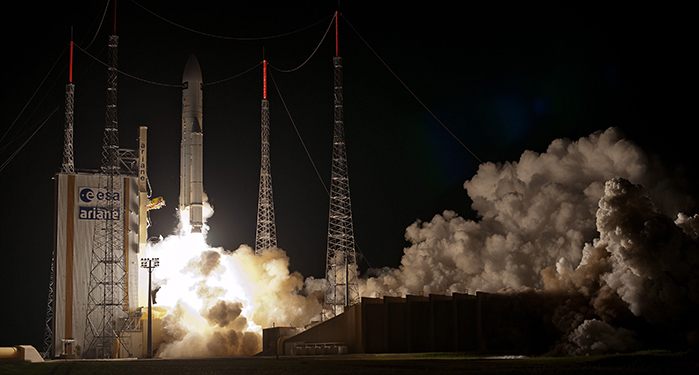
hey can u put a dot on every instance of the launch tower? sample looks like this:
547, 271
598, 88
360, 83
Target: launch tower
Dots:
266, 232
107, 301
341, 261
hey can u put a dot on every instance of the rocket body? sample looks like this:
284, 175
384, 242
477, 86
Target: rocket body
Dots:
191, 147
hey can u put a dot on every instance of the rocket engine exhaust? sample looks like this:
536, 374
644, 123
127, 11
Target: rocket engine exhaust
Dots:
191, 152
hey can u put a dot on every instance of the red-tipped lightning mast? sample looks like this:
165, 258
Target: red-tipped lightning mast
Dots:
337, 38
70, 68
264, 79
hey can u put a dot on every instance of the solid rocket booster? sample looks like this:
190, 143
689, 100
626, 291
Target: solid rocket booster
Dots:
191, 149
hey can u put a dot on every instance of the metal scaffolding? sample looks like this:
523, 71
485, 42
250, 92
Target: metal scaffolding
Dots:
266, 232
341, 260
68, 159
47, 353
107, 301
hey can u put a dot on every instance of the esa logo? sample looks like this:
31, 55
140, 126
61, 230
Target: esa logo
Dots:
89, 195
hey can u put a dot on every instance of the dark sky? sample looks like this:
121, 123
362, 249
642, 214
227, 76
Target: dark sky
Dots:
503, 77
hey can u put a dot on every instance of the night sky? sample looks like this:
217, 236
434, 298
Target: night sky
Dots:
504, 78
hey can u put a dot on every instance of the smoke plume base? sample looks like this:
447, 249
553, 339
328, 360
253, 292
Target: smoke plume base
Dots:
221, 299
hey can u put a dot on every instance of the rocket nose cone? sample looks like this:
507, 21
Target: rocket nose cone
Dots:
192, 72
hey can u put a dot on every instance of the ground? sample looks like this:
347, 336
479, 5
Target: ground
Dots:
404, 364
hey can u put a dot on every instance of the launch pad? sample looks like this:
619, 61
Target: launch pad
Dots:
101, 227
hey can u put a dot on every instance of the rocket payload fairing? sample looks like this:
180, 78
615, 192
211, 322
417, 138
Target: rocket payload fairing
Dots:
191, 149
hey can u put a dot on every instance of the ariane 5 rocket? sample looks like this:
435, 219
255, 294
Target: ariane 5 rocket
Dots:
191, 148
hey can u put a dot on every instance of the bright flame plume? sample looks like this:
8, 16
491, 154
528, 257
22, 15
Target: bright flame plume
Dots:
220, 300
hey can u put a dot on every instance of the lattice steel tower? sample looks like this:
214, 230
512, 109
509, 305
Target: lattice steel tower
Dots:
68, 160
68, 166
107, 294
341, 260
266, 232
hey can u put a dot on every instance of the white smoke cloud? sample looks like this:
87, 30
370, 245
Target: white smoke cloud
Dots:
533, 214
220, 300
595, 337
655, 263
576, 219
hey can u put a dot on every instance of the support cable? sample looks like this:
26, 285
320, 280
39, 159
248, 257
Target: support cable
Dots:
27, 141
227, 37
99, 27
412, 93
179, 85
126, 74
233, 77
299, 134
34, 94
312, 53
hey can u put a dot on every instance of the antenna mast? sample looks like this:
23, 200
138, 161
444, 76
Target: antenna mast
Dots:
266, 232
341, 260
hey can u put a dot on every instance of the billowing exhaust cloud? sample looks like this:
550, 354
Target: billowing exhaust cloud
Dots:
579, 219
219, 300
642, 267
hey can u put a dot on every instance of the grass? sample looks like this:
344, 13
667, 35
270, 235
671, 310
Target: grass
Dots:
368, 364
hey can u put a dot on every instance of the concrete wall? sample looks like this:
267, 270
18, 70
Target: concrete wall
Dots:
343, 330
495, 323
517, 322
465, 322
420, 324
396, 323
271, 338
374, 327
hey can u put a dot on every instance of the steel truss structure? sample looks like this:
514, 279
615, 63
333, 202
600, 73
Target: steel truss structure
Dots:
47, 353
107, 301
266, 231
341, 261
68, 159
68, 166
